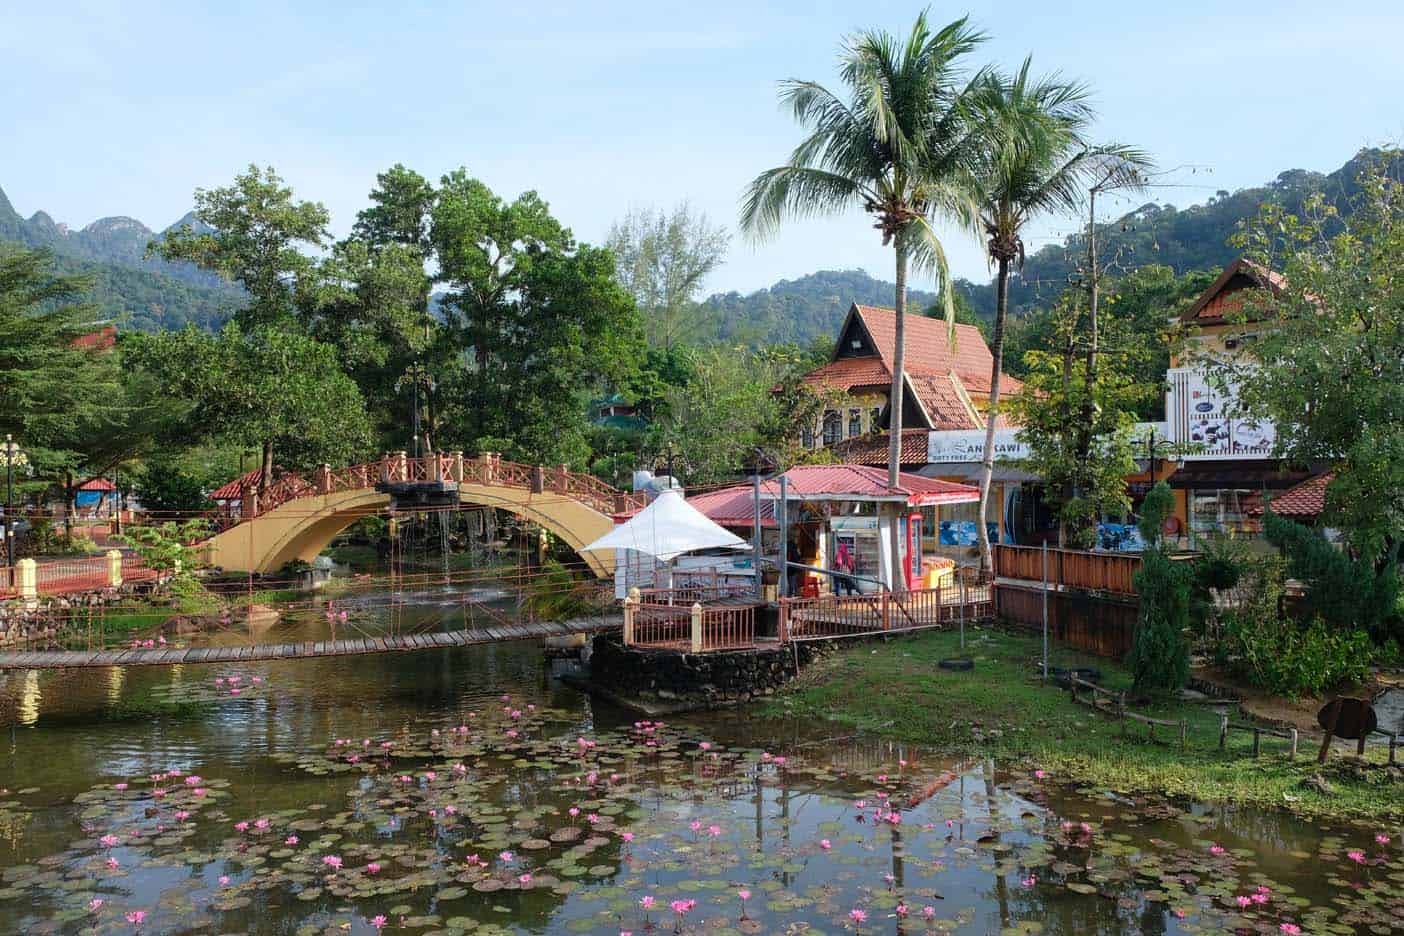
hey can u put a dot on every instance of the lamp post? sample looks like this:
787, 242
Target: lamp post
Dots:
13, 456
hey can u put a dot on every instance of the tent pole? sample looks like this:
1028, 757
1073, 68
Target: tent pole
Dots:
783, 508
756, 531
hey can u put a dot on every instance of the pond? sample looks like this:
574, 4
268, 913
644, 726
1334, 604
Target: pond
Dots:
469, 791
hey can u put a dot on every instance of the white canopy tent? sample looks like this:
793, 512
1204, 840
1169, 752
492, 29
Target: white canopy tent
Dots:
666, 529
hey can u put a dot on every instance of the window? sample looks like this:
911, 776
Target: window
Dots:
833, 427
875, 419
855, 423
807, 437
1219, 511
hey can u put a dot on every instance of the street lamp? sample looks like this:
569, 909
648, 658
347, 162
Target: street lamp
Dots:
13, 457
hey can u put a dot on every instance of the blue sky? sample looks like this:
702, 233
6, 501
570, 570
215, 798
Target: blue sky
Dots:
125, 108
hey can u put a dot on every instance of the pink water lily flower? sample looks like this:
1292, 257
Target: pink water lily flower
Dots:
108, 841
1382, 840
901, 910
524, 878
1356, 856
506, 857
825, 844
1291, 929
647, 902
119, 786
373, 868
858, 916
929, 912
332, 861
744, 894
1243, 901
112, 864
241, 827
1216, 849
290, 840
378, 921
224, 880
95, 904
136, 917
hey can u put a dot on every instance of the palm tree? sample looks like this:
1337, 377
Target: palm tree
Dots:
1036, 159
894, 147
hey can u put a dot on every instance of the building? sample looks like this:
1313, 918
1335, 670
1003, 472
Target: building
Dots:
946, 382
1226, 462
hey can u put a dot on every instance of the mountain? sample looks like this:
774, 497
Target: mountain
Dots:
146, 293
797, 311
1193, 238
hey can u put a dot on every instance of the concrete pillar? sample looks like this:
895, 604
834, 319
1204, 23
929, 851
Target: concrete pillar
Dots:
562, 478
114, 568
323, 479
538, 479
401, 468
27, 579
385, 467
697, 628
456, 466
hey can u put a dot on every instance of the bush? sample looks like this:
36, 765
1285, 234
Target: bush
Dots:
1159, 658
1348, 593
1284, 659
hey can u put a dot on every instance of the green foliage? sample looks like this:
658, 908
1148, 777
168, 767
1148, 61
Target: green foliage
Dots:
557, 594
661, 259
1328, 366
166, 548
1348, 593
1159, 504
58, 398
737, 404
166, 488
1079, 434
1159, 658
265, 386
1284, 659
250, 232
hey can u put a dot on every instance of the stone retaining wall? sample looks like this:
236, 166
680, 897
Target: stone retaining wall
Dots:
703, 680
45, 618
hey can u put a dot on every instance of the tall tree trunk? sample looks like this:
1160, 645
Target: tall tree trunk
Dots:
987, 463
894, 421
70, 501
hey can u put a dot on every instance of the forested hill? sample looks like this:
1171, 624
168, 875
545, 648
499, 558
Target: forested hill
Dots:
798, 310
1193, 238
127, 286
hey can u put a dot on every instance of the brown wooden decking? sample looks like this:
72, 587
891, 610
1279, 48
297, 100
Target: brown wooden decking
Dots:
248, 653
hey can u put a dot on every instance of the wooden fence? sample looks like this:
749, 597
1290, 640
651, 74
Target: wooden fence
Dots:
694, 628
1104, 625
1069, 568
830, 616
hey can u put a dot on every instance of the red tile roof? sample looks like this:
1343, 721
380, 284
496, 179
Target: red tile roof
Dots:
871, 449
847, 373
101, 340
862, 482
941, 397
235, 489
1307, 499
1214, 302
929, 350
97, 484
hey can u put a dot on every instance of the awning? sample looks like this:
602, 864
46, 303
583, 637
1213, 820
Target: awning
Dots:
666, 529
1243, 474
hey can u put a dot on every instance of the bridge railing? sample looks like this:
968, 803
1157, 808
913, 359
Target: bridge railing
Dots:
488, 470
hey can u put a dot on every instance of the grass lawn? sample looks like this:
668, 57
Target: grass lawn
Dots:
896, 689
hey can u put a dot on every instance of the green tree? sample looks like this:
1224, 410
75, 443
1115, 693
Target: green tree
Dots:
253, 232
402, 204
1347, 592
1159, 658
268, 388
1035, 160
662, 259
61, 396
1058, 408
1327, 368
164, 489
539, 321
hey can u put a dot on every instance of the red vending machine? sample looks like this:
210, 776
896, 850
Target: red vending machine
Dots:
911, 561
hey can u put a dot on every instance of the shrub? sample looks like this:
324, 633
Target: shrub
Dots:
1347, 592
1284, 659
1159, 658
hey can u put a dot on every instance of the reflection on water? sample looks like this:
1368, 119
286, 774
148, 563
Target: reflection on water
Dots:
413, 763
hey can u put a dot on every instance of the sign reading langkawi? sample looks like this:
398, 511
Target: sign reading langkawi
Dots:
968, 445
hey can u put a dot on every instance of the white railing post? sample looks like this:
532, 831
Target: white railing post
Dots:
696, 628
27, 579
631, 605
114, 568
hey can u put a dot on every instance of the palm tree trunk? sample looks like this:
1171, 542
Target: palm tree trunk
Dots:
987, 464
894, 420
1082, 455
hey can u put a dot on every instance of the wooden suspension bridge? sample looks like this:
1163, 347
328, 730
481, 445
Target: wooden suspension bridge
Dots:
303, 650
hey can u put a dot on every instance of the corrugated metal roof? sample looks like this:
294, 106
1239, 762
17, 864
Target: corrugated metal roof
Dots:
863, 482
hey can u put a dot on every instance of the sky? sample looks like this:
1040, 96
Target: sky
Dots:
126, 108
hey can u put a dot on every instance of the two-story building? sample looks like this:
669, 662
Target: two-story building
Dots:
1227, 464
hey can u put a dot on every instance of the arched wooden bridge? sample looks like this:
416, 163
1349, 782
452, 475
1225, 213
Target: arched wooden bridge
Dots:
296, 517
